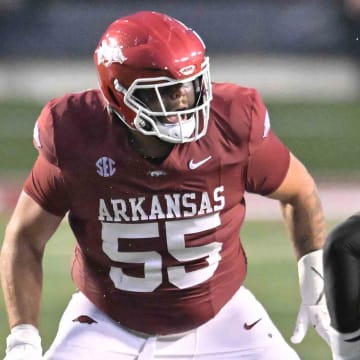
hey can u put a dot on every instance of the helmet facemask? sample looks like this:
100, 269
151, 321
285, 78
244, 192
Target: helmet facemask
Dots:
186, 125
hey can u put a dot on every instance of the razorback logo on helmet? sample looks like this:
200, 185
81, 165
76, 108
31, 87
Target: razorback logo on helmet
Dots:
110, 52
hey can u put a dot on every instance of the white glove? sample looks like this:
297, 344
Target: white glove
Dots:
23, 343
342, 348
313, 310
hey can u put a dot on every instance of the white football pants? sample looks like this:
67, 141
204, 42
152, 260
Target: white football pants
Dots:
225, 337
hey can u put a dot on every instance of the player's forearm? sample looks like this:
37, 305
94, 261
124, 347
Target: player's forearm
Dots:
304, 216
305, 221
21, 276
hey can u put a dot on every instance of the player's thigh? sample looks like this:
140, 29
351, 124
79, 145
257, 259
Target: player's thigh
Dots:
241, 330
87, 333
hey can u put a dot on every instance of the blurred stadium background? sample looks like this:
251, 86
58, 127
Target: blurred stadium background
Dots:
303, 56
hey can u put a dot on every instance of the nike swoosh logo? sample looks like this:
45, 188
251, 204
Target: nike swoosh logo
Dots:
194, 165
250, 326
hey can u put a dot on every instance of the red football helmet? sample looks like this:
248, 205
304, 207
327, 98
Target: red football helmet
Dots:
152, 51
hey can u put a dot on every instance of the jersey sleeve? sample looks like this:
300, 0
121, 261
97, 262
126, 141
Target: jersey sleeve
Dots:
44, 134
45, 185
269, 158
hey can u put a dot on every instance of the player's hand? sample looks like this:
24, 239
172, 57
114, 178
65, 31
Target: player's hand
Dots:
311, 315
23, 343
313, 310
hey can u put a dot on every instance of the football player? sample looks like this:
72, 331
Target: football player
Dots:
342, 288
151, 171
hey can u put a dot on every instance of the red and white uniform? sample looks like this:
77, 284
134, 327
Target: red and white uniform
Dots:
158, 245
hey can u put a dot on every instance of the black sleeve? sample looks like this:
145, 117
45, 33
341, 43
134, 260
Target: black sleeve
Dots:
342, 275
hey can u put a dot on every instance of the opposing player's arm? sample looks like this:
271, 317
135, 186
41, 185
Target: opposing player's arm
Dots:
302, 209
342, 287
28, 230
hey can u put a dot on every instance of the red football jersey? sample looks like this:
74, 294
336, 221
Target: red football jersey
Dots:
158, 245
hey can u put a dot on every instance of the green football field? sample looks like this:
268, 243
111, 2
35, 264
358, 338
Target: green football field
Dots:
272, 277
324, 136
